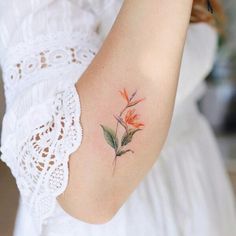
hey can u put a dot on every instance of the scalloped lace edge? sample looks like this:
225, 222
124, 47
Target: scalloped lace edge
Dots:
7, 152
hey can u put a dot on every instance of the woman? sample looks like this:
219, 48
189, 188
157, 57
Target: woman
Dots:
82, 132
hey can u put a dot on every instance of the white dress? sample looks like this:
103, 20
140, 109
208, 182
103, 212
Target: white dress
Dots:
45, 46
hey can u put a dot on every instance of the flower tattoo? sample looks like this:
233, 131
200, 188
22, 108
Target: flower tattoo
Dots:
128, 119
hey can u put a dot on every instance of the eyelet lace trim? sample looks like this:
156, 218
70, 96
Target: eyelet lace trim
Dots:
26, 62
47, 59
42, 126
39, 161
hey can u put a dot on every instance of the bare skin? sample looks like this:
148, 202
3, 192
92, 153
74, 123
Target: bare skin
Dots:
142, 52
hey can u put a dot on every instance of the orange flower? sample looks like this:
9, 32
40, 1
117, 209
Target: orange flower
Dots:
132, 119
125, 95
128, 99
135, 102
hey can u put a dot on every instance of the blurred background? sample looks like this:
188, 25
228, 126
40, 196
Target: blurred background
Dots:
218, 104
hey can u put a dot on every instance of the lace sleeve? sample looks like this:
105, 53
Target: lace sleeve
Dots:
38, 156
41, 126
107, 13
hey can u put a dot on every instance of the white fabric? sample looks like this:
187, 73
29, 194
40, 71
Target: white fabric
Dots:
45, 46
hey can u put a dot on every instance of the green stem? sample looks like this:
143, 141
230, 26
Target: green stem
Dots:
117, 124
114, 166
121, 113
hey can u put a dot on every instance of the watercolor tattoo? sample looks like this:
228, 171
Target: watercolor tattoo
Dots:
128, 119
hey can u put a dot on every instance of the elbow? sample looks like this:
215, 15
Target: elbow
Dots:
103, 218
89, 212
96, 216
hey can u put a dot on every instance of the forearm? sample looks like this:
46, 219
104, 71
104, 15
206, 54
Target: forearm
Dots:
142, 52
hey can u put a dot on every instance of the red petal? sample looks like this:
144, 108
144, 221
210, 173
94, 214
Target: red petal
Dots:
126, 95
136, 102
122, 94
138, 125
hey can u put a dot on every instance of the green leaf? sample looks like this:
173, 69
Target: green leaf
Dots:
121, 152
127, 137
110, 136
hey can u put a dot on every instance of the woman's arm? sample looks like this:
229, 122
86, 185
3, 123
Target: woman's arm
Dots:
142, 54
